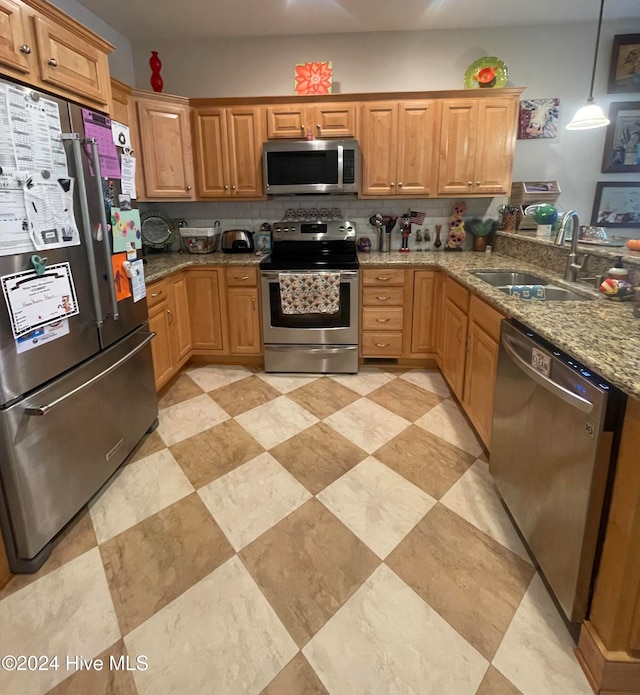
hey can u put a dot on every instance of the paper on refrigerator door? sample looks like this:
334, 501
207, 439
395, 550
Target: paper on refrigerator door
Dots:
14, 221
128, 172
120, 134
41, 336
99, 127
138, 286
49, 206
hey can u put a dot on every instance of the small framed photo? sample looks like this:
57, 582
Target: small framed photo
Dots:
622, 143
263, 242
617, 204
624, 70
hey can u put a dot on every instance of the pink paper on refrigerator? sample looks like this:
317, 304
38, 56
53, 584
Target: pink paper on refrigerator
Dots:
99, 127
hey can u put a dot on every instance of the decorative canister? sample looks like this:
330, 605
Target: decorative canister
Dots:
509, 218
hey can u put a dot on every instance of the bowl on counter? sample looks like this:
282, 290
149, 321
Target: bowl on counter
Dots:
199, 239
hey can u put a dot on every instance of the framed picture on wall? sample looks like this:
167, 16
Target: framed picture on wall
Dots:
624, 70
617, 204
622, 144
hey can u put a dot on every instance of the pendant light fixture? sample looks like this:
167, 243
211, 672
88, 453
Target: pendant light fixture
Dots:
591, 115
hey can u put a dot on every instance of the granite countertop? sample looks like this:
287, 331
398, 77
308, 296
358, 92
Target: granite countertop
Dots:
602, 334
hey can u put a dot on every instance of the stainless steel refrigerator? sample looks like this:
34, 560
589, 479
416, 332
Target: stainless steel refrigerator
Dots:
72, 408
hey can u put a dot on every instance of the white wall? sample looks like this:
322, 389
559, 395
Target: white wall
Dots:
121, 60
550, 61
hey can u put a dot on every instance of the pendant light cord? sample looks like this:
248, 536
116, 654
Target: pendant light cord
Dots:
595, 57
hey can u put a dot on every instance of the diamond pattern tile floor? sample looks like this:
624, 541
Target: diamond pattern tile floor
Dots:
295, 535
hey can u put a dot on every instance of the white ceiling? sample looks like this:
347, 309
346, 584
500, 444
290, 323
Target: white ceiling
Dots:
205, 19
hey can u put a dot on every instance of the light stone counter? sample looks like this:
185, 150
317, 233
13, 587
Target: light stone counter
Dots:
160, 265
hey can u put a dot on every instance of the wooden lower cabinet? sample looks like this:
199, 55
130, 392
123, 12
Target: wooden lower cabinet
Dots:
243, 310
180, 323
204, 289
5, 574
382, 316
163, 365
423, 314
454, 343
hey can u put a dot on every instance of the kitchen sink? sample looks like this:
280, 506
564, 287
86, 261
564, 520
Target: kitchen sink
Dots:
499, 278
557, 294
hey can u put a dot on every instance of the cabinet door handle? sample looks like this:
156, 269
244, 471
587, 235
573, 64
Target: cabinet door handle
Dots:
52, 62
226, 188
238, 277
188, 188
383, 298
318, 127
469, 183
383, 278
170, 317
156, 294
233, 188
25, 48
253, 301
400, 184
302, 127
392, 184
383, 320
382, 345
477, 183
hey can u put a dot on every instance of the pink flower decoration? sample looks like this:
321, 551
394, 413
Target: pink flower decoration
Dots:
314, 78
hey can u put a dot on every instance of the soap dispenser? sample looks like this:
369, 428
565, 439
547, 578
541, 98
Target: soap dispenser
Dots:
617, 284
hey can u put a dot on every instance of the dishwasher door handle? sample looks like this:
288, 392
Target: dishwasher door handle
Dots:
567, 396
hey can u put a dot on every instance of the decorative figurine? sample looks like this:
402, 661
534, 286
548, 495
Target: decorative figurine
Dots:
364, 244
457, 233
405, 228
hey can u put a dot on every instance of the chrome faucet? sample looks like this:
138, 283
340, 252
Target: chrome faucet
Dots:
572, 268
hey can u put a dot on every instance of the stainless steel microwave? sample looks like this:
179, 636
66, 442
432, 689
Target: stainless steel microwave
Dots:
298, 167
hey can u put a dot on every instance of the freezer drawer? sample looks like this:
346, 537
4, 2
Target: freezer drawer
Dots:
61, 444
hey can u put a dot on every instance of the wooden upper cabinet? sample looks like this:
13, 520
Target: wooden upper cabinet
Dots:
295, 121
477, 142
15, 43
120, 94
397, 142
228, 151
165, 139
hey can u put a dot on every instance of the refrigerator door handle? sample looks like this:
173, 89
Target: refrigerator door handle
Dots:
76, 148
106, 248
44, 409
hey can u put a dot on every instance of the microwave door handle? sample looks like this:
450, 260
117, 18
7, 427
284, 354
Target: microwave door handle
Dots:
340, 166
104, 243
76, 149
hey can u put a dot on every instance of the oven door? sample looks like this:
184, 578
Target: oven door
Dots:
340, 328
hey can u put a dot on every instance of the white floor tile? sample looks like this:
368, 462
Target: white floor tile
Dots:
377, 504
447, 422
474, 498
365, 381
65, 613
536, 653
385, 640
183, 420
285, 383
252, 498
211, 377
276, 421
430, 380
367, 424
221, 637
139, 490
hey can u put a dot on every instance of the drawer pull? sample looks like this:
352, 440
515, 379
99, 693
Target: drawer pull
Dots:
383, 320
156, 294
238, 277
253, 302
383, 298
382, 345
53, 62
383, 278
25, 48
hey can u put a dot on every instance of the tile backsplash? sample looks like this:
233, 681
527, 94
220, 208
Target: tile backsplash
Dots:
251, 214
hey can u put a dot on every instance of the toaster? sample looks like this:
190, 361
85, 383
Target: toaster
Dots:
237, 241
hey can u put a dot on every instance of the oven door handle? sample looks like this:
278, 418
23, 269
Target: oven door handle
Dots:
274, 275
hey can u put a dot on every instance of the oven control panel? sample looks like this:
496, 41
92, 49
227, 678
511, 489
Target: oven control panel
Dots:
314, 231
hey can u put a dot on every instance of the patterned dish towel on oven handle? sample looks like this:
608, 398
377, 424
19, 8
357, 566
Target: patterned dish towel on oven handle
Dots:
309, 293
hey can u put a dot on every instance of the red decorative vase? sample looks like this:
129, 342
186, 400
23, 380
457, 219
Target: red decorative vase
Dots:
156, 79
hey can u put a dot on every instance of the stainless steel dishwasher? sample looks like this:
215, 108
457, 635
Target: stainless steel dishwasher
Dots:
555, 430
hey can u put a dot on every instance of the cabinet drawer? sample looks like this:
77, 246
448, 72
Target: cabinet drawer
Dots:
458, 294
243, 277
383, 296
388, 319
381, 344
486, 317
157, 293
383, 276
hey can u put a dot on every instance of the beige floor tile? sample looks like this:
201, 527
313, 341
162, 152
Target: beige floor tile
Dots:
404, 399
190, 417
323, 397
386, 639
427, 461
107, 681
288, 382
474, 498
274, 422
214, 452
446, 421
365, 381
377, 504
138, 491
308, 566
67, 612
494, 683
367, 424
244, 395
151, 444
296, 678
220, 638
431, 380
474, 582
211, 377
155, 561
182, 389
536, 654
318, 456
253, 498
76, 538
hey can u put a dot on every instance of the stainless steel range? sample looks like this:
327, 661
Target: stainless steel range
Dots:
310, 298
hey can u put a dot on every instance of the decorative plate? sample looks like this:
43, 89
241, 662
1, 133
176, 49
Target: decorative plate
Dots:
486, 72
